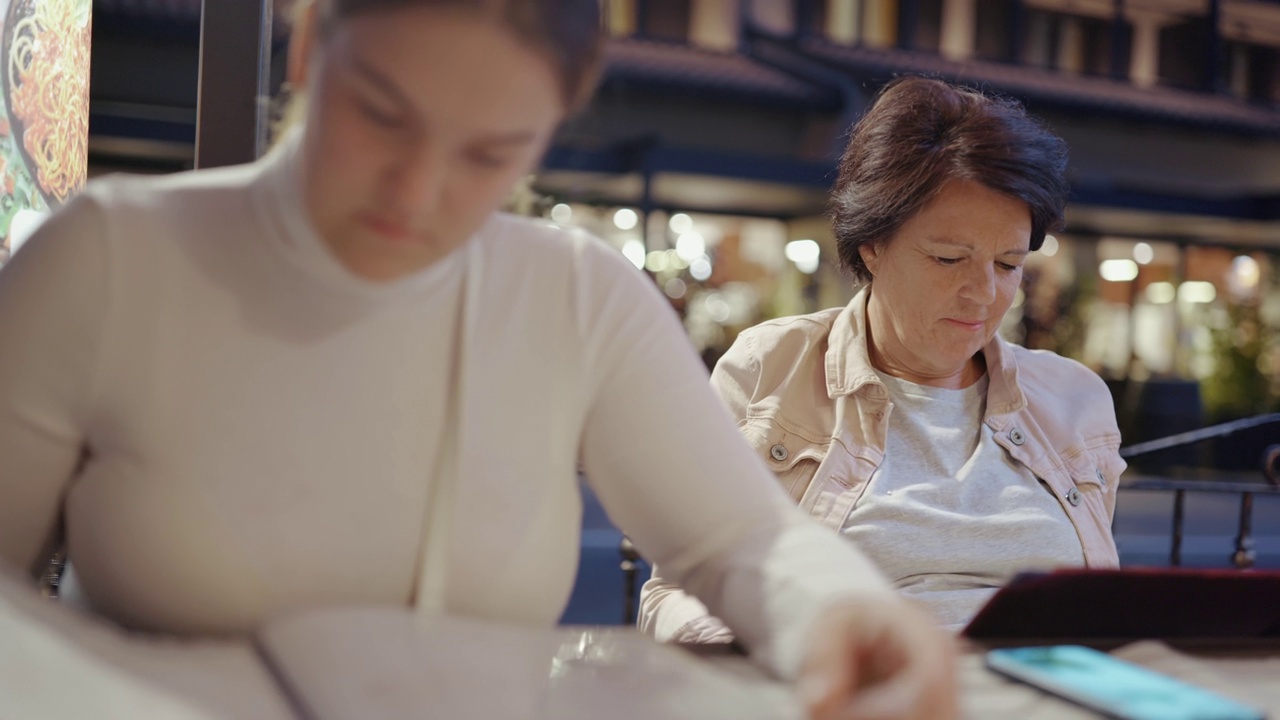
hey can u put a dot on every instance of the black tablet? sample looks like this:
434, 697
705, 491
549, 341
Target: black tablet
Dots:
1113, 606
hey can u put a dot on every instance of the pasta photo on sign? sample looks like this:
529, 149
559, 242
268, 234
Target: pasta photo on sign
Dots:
44, 126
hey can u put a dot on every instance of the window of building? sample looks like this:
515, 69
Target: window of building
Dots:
1074, 43
664, 19
994, 24
1251, 49
1253, 72
924, 23
834, 20
1040, 39
873, 23
619, 17
1184, 53
1105, 46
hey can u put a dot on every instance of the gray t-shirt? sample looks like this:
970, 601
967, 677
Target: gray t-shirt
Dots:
948, 516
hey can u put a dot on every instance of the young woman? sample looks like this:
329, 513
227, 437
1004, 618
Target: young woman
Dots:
337, 375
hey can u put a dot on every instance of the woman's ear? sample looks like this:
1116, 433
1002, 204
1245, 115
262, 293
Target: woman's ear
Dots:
870, 255
302, 40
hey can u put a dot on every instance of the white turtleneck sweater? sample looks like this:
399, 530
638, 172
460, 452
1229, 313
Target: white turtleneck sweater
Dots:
261, 427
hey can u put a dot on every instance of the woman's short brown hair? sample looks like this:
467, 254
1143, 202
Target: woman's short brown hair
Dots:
568, 32
920, 133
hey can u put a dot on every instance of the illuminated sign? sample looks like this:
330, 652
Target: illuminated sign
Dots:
44, 126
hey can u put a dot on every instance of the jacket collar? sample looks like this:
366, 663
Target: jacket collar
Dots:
848, 361
849, 369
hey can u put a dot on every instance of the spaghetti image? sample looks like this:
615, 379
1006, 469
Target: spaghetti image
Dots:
47, 70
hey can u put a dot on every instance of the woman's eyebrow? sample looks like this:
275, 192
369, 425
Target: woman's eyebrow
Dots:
950, 242
385, 85
960, 244
379, 80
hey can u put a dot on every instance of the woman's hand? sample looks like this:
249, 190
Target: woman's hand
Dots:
878, 658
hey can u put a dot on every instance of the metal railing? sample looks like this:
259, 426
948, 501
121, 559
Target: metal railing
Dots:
1244, 555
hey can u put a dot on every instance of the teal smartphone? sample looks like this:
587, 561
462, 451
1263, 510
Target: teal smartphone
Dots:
1113, 687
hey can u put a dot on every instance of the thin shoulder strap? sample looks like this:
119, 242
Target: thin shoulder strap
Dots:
430, 598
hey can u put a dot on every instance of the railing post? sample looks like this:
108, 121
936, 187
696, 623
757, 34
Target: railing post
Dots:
1245, 556
1175, 552
629, 560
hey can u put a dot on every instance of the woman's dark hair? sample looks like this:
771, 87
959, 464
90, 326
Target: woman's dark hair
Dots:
567, 31
918, 134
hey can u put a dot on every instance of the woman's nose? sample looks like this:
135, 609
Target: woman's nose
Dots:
980, 285
417, 180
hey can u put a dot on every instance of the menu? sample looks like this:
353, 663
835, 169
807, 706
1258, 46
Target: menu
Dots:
360, 661
44, 121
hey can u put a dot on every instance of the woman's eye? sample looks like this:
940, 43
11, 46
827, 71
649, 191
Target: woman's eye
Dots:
486, 159
1008, 267
947, 260
378, 115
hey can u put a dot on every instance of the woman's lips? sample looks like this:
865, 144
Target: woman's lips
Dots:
966, 324
387, 228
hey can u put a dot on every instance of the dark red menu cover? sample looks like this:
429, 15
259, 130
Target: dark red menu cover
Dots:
1217, 607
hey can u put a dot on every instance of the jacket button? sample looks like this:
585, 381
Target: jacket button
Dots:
1016, 436
1101, 478
778, 452
1073, 497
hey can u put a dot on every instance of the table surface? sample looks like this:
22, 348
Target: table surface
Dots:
1250, 676
54, 662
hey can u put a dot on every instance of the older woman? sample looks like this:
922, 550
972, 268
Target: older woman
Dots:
903, 421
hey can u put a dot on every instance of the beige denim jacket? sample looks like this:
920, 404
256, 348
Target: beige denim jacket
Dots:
807, 399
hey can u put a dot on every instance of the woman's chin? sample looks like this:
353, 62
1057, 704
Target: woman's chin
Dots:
371, 257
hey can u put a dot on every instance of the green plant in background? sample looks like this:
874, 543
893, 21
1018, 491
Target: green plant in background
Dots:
1239, 385
1072, 317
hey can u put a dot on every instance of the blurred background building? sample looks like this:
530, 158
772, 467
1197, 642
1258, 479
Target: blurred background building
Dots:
720, 122
708, 153
707, 156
